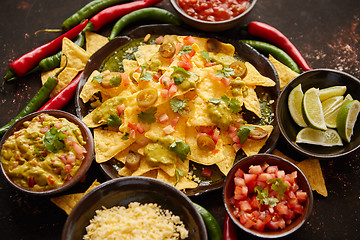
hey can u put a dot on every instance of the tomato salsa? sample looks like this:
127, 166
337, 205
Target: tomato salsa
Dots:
266, 198
44, 154
214, 10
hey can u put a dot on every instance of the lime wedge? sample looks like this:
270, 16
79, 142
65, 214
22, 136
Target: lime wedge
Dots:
312, 109
329, 104
327, 138
346, 119
294, 104
329, 92
330, 115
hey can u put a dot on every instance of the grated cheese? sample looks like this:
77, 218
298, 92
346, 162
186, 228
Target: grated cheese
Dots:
137, 221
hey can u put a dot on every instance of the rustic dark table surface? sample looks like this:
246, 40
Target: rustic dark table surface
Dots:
327, 33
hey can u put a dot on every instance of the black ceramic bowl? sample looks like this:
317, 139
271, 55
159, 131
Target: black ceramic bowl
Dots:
244, 51
89, 156
320, 78
212, 26
283, 164
121, 192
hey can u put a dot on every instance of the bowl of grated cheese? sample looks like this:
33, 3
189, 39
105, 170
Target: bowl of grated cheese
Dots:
134, 208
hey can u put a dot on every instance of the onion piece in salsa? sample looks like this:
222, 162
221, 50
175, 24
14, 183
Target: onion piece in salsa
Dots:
214, 10
266, 198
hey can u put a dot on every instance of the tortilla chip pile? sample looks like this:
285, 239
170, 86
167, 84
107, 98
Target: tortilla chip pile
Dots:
164, 134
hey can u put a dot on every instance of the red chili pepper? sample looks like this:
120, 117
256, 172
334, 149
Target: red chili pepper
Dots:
63, 97
277, 38
29, 60
229, 232
113, 13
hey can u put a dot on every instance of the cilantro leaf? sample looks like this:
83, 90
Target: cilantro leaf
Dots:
263, 196
177, 105
114, 121
145, 76
278, 185
38, 154
178, 174
243, 133
98, 78
206, 55
180, 70
180, 148
178, 80
225, 72
185, 49
148, 116
53, 140
115, 81
234, 105
225, 99
126, 136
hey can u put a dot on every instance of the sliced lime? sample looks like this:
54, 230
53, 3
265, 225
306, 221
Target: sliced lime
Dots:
329, 92
346, 119
330, 115
327, 138
294, 104
329, 104
312, 109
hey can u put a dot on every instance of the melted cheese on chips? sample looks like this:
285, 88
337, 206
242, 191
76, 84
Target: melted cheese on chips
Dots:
179, 113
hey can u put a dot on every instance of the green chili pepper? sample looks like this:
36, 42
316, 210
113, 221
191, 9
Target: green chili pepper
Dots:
276, 52
150, 13
37, 101
212, 226
87, 11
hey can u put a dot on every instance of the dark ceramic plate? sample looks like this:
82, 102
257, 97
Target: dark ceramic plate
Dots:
242, 50
122, 191
319, 78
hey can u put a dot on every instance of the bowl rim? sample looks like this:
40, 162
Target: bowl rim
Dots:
282, 94
107, 186
310, 200
179, 10
84, 166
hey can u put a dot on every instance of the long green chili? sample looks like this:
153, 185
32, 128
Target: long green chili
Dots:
276, 52
87, 11
151, 13
212, 226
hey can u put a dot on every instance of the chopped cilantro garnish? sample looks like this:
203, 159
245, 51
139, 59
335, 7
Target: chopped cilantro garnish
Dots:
181, 70
225, 99
114, 121
148, 116
243, 133
206, 55
126, 136
144, 75
178, 80
53, 140
225, 72
180, 148
278, 185
185, 49
178, 174
263, 196
98, 78
234, 105
178, 105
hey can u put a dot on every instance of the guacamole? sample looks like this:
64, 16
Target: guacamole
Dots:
44, 154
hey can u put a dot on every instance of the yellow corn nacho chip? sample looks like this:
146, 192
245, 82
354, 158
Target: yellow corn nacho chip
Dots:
68, 202
251, 101
284, 72
254, 78
280, 154
77, 57
94, 42
64, 78
251, 147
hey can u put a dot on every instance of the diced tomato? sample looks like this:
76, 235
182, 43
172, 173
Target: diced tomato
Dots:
206, 172
159, 40
282, 209
249, 178
189, 40
292, 202
215, 135
79, 150
301, 195
259, 225
263, 177
298, 209
255, 169
255, 203
239, 173
291, 195
120, 109
132, 134
132, 126
272, 169
125, 79
282, 223
140, 128
165, 81
174, 121
168, 129
44, 130
226, 81
31, 182
245, 206
156, 76
173, 89
280, 174
239, 181
50, 180
164, 93
290, 215
185, 65
273, 225
249, 223
163, 118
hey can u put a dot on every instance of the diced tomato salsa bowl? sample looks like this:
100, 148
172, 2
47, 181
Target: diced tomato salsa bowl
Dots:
267, 196
212, 15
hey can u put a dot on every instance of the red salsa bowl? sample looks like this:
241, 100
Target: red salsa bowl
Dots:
267, 196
